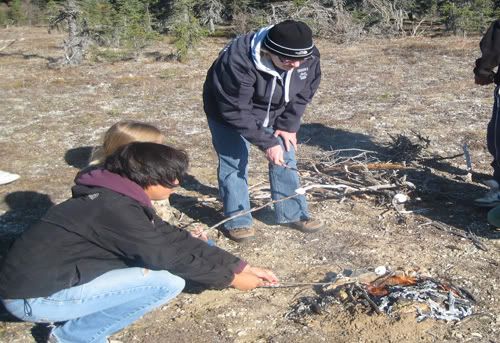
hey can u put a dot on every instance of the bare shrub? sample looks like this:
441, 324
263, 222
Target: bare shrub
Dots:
392, 15
329, 21
248, 20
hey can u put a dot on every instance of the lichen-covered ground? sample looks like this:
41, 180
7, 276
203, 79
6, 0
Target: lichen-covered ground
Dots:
370, 90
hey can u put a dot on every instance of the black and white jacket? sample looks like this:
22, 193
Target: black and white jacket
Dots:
246, 92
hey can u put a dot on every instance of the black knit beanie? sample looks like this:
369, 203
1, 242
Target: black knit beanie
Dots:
291, 39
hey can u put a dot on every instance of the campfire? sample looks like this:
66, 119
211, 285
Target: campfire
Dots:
393, 293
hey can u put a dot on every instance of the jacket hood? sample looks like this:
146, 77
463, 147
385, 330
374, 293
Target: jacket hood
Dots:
265, 65
262, 64
106, 179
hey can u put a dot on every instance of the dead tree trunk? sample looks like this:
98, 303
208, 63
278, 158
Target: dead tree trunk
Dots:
78, 40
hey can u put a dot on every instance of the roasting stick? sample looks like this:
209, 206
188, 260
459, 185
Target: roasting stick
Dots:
298, 284
299, 191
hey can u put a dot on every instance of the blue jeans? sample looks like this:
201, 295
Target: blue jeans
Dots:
233, 151
101, 307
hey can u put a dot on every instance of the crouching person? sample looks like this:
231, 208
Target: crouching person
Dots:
102, 259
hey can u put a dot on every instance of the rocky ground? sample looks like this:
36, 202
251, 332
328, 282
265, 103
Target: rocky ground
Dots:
371, 90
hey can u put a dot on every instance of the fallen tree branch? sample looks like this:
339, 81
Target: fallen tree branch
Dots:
469, 235
8, 44
441, 158
303, 190
368, 298
368, 166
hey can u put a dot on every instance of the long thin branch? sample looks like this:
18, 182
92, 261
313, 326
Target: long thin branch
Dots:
252, 210
301, 191
8, 44
299, 284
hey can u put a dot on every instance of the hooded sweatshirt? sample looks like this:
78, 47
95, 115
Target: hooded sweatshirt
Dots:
246, 92
490, 49
108, 224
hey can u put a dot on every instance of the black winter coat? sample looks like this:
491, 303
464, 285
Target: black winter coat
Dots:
238, 91
99, 230
490, 49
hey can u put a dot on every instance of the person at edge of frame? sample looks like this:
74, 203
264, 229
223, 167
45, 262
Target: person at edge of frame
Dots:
484, 74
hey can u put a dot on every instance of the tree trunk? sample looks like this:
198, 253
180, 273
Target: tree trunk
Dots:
78, 39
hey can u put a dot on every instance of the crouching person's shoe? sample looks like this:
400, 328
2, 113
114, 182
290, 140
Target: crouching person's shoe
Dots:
494, 217
492, 197
307, 226
241, 234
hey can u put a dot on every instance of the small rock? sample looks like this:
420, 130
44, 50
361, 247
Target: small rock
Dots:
400, 198
381, 270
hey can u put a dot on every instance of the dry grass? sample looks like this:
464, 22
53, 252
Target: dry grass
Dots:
370, 90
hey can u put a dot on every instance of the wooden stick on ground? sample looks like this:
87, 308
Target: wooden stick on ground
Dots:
9, 43
369, 166
252, 210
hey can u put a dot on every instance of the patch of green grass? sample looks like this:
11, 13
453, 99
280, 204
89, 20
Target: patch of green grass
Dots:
114, 113
384, 96
111, 55
168, 74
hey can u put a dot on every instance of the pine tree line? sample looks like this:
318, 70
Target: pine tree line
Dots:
133, 24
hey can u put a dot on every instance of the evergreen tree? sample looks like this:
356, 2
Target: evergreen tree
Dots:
467, 15
16, 12
135, 23
101, 19
185, 27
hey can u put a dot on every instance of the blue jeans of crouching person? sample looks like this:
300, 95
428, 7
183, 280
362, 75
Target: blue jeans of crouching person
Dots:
233, 153
101, 307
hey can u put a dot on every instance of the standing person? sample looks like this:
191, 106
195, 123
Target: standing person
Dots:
485, 75
103, 258
256, 93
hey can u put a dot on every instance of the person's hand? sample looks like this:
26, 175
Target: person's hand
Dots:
481, 80
288, 138
274, 155
198, 232
246, 281
265, 274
